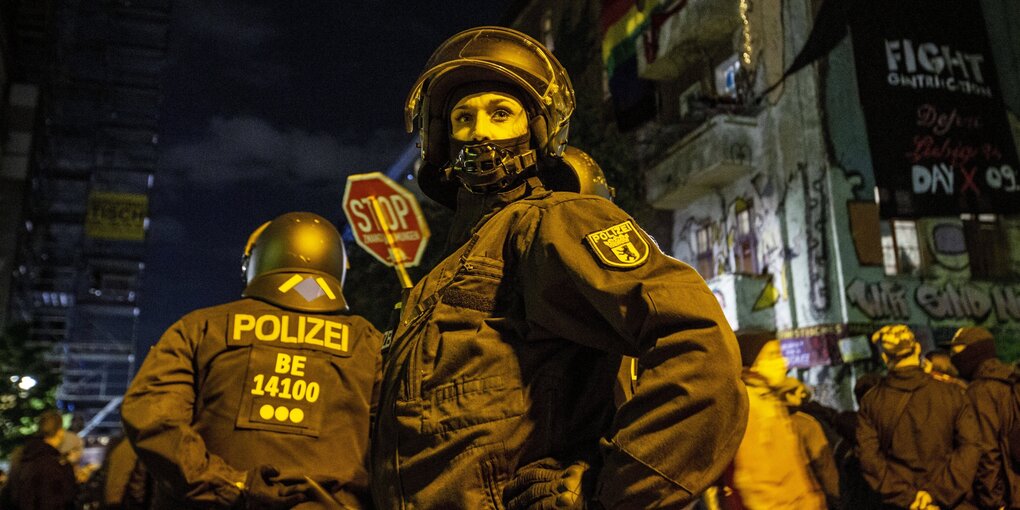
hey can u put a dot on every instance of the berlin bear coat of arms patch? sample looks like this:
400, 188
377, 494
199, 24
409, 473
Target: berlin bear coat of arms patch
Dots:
619, 246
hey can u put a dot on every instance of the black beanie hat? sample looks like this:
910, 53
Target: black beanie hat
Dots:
751, 344
968, 360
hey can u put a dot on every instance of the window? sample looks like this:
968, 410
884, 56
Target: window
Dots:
744, 260
703, 246
901, 253
687, 98
726, 77
986, 245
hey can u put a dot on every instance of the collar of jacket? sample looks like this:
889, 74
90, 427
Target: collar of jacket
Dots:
994, 369
907, 378
36, 448
474, 209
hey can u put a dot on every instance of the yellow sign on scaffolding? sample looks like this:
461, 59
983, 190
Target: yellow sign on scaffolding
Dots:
116, 216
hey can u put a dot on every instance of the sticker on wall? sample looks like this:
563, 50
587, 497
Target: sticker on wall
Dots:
768, 297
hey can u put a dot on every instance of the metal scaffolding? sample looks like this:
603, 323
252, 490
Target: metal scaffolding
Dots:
98, 67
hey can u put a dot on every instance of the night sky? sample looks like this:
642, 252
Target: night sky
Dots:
267, 107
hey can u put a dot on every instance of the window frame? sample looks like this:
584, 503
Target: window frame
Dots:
991, 252
892, 260
703, 253
745, 243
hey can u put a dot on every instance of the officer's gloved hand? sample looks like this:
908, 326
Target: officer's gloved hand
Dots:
264, 491
550, 485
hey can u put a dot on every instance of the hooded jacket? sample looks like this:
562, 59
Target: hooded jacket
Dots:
997, 483
770, 471
41, 479
818, 452
915, 433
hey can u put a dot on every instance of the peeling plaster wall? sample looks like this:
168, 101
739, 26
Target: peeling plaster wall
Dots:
810, 163
787, 186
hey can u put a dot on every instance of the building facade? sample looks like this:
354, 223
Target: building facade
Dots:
87, 162
845, 195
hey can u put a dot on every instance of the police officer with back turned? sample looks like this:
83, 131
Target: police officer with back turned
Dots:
265, 401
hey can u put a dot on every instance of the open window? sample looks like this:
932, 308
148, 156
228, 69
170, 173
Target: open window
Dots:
986, 245
703, 246
744, 240
901, 252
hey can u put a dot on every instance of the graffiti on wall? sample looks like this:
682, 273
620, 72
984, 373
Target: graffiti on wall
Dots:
953, 302
883, 300
969, 301
768, 297
816, 199
764, 196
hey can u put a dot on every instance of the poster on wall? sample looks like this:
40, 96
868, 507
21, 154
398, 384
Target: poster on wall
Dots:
940, 140
116, 216
812, 345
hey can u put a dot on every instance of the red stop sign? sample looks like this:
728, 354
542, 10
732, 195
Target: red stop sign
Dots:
401, 215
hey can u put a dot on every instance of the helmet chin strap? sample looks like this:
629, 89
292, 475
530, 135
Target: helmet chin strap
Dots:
490, 166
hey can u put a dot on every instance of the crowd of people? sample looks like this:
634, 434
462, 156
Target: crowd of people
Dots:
932, 432
556, 359
48, 472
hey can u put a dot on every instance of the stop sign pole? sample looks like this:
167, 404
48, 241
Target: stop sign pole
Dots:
386, 221
395, 253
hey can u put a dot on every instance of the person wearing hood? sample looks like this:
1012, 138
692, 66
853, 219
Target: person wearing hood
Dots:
770, 470
917, 435
41, 478
996, 484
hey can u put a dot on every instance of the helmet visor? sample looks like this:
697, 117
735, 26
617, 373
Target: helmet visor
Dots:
506, 53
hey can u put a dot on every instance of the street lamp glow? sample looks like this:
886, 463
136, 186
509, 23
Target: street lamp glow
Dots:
27, 383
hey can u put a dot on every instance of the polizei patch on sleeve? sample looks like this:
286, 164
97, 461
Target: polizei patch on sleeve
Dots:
619, 246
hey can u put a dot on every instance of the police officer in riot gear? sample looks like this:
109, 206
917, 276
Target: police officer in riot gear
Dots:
498, 385
263, 402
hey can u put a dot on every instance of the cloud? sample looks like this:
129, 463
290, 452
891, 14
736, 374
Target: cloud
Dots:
231, 40
248, 148
227, 23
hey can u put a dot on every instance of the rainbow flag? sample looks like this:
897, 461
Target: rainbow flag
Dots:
621, 25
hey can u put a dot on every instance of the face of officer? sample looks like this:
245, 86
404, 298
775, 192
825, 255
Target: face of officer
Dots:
770, 364
487, 116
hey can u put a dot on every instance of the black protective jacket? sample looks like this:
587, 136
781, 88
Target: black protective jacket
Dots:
247, 383
40, 479
507, 353
917, 433
997, 484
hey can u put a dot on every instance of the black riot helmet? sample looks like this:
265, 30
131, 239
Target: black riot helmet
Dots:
579, 173
296, 261
494, 55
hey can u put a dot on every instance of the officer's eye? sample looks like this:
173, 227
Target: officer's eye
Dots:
501, 115
461, 118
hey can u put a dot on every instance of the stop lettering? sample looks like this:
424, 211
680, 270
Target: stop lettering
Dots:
401, 217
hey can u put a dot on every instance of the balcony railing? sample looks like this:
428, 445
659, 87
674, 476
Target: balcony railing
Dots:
679, 38
717, 152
